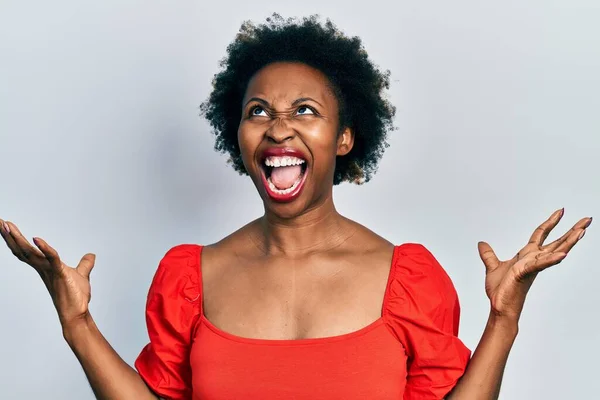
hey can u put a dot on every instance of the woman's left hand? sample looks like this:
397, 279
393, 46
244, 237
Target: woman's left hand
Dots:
507, 282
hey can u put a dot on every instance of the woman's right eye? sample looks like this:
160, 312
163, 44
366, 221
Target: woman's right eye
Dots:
256, 112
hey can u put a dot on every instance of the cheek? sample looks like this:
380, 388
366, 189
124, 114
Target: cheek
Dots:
249, 139
321, 138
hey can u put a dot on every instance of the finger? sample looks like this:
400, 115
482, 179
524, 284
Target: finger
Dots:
581, 224
49, 253
10, 242
541, 233
542, 260
4, 230
4, 227
86, 264
487, 256
571, 241
19, 246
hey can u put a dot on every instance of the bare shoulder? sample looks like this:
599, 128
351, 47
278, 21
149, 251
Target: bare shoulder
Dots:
367, 241
367, 246
234, 249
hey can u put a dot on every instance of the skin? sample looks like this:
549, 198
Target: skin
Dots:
257, 279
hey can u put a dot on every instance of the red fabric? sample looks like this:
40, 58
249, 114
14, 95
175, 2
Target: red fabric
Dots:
412, 352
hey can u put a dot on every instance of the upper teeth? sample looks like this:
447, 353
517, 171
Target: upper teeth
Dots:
284, 161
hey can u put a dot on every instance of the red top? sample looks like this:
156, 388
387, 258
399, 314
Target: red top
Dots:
411, 352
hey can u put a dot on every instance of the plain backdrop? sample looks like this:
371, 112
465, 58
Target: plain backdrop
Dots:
103, 151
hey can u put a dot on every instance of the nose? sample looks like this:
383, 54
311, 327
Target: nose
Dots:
280, 131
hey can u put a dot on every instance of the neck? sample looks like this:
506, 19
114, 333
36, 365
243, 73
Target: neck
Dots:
318, 229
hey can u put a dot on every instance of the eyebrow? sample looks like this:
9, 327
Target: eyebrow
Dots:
295, 103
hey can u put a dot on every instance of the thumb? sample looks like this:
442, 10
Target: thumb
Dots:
86, 265
487, 256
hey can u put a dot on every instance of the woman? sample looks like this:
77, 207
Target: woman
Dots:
301, 303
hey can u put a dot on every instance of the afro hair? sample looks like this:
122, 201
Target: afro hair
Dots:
357, 83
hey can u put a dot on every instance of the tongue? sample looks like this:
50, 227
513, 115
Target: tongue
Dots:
285, 177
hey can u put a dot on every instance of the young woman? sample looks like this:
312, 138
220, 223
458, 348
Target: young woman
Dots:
301, 303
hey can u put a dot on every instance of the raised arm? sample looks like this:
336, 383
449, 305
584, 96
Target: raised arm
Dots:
109, 376
506, 285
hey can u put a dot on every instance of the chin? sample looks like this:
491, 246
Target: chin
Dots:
286, 205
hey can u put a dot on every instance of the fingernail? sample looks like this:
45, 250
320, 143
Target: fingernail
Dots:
562, 212
6, 227
581, 235
589, 222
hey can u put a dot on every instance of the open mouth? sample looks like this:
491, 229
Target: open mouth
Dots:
283, 174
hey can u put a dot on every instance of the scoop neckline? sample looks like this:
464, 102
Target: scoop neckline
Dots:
293, 342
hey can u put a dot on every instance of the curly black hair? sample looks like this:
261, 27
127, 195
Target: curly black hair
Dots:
357, 83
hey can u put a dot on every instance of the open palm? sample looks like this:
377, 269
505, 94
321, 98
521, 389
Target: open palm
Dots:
507, 282
69, 287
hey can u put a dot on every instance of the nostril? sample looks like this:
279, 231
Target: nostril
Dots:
280, 138
279, 133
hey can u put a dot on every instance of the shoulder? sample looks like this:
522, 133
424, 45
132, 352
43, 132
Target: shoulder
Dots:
418, 253
179, 257
181, 252
172, 311
423, 313
416, 259
420, 288
363, 239
178, 271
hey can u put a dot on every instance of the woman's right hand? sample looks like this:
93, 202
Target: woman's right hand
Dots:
69, 287
110, 377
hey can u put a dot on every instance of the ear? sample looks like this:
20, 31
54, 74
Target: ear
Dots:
345, 142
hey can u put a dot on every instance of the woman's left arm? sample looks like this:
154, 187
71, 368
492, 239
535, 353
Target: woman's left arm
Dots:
506, 285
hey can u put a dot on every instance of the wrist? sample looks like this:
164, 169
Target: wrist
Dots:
506, 326
77, 327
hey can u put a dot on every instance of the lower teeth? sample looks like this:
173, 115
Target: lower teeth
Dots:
283, 191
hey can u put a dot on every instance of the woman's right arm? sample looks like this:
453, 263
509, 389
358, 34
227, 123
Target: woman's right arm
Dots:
109, 376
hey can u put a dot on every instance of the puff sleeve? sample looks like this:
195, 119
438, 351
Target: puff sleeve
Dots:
423, 312
172, 309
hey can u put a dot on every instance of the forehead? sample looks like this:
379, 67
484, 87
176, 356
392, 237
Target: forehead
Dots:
287, 81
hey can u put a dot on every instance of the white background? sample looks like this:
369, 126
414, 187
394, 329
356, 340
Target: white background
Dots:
103, 151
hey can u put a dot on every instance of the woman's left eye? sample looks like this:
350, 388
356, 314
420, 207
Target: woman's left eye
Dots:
304, 110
